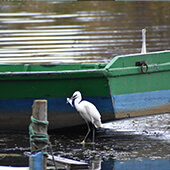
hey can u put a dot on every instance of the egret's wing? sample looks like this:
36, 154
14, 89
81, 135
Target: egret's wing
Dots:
93, 114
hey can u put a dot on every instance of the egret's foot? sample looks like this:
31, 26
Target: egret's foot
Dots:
83, 142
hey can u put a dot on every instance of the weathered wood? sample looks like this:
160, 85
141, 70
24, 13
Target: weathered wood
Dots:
70, 163
39, 112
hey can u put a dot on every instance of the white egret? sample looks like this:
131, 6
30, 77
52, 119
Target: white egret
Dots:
87, 110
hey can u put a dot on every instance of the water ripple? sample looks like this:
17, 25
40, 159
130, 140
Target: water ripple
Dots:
81, 32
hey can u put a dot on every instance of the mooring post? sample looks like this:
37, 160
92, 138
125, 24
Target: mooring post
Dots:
39, 115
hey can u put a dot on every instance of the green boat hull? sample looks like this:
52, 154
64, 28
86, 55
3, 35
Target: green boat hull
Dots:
124, 87
136, 93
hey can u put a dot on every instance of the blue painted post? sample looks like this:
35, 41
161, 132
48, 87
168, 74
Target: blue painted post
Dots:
35, 161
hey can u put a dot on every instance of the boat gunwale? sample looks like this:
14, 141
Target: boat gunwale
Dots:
92, 70
152, 68
49, 72
53, 75
116, 58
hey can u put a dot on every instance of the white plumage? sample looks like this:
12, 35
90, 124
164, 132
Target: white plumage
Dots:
87, 110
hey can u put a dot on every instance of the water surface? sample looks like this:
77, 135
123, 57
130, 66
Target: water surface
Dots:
144, 146
76, 32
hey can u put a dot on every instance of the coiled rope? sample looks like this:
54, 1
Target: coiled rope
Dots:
36, 137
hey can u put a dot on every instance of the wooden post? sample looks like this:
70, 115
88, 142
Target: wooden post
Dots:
39, 112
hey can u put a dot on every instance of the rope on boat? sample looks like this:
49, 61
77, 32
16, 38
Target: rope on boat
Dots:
40, 137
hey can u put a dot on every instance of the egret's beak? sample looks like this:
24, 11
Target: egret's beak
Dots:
70, 100
73, 97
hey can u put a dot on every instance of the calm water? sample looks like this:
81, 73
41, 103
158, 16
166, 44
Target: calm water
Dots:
90, 31
76, 32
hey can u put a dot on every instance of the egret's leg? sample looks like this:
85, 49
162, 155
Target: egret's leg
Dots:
93, 134
83, 142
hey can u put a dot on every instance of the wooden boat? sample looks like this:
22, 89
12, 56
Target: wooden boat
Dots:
130, 85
